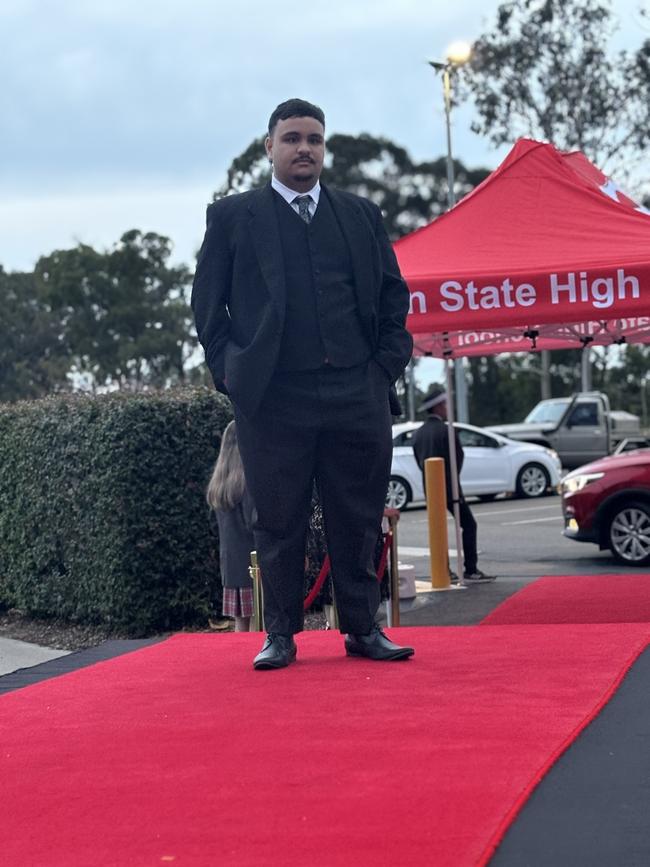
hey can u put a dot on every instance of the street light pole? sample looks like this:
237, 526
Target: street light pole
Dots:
446, 86
457, 54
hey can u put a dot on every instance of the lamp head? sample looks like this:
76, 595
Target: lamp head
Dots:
459, 52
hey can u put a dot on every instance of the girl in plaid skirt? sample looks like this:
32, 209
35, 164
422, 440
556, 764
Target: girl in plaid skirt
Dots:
230, 502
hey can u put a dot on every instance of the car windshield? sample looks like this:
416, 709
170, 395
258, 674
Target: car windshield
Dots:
550, 411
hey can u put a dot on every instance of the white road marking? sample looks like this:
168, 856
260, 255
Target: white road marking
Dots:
499, 512
531, 521
518, 511
407, 551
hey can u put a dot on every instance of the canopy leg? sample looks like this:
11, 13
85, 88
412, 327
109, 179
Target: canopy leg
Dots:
453, 470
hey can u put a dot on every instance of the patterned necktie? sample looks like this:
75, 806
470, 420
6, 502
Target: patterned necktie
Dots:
303, 203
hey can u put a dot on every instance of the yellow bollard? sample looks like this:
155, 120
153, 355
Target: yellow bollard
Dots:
434, 473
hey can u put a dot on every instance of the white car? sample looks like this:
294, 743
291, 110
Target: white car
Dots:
493, 465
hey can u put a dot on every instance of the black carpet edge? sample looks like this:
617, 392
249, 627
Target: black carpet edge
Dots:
593, 806
71, 662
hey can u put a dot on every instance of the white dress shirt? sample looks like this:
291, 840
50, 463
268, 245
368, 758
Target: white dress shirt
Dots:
289, 195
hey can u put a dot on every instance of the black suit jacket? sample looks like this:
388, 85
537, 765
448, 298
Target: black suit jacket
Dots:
238, 295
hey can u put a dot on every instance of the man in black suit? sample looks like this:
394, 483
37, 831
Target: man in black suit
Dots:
301, 310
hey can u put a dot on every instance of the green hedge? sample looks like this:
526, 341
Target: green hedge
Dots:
102, 510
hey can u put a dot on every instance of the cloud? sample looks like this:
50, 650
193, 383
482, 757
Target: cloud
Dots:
179, 88
116, 114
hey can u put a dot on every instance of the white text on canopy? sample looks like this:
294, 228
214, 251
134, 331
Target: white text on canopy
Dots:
570, 288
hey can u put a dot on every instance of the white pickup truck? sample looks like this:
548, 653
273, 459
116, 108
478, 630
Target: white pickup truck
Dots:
580, 428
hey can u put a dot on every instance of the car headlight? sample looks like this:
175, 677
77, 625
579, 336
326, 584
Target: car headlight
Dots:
577, 483
552, 454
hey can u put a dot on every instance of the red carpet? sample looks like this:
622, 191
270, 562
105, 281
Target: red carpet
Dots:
181, 754
577, 599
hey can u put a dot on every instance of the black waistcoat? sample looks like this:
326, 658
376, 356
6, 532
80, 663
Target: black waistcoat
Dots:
322, 323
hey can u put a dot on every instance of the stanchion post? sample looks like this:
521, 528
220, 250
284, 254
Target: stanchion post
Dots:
258, 598
331, 611
436, 492
393, 518
392, 606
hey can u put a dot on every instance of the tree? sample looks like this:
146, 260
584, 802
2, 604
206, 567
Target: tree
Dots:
408, 193
502, 389
122, 313
546, 71
506, 387
33, 360
626, 381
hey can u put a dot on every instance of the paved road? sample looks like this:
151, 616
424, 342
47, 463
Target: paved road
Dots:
517, 539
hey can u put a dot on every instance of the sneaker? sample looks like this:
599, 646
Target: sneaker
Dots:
478, 577
453, 577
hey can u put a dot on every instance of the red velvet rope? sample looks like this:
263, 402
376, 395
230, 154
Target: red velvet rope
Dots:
322, 575
384, 556
325, 570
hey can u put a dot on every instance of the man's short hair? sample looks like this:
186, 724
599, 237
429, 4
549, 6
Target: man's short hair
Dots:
295, 108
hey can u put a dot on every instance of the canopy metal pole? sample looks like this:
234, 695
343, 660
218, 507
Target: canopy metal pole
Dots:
453, 470
585, 366
410, 390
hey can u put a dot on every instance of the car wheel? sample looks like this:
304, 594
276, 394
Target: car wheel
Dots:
628, 534
399, 493
532, 481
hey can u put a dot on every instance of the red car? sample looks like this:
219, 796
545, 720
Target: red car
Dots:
608, 502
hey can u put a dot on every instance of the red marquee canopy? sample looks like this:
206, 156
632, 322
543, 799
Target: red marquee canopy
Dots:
546, 253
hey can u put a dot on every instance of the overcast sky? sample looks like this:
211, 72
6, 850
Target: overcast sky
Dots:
118, 115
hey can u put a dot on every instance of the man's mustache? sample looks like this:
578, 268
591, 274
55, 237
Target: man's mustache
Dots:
303, 160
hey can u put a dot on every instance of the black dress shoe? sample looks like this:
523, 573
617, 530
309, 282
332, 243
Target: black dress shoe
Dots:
278, 651
375, 645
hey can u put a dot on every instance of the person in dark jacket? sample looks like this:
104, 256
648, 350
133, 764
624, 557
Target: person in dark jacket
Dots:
232, 505
301, 309
432, 441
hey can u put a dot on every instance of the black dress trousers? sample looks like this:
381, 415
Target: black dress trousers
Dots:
331, 425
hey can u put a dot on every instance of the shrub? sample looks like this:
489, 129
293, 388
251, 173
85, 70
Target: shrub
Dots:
102, 510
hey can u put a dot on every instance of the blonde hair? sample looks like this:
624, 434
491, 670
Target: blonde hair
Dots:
227, 485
